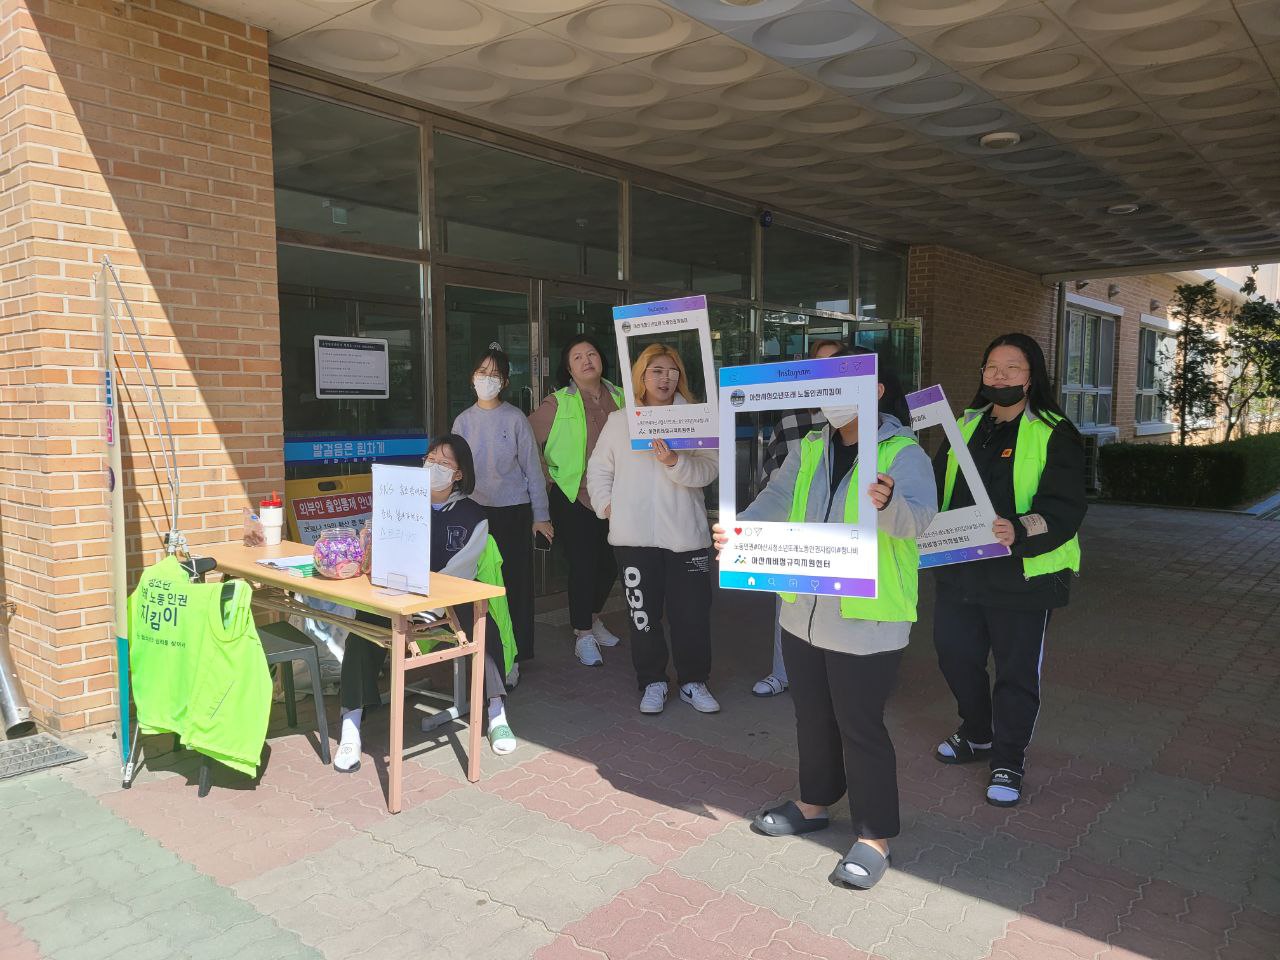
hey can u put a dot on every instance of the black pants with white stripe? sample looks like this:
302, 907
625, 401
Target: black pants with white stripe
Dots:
964, 634
660, 583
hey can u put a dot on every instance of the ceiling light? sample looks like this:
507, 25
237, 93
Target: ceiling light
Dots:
1122, 209
1000, 140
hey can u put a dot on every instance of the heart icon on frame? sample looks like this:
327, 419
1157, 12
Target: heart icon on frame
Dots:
738, 531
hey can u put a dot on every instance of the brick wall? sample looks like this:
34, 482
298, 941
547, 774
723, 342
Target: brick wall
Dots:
965, 303
138, 130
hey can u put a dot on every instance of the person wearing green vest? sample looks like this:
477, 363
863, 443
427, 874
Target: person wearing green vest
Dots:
842, 654
1031, 460
460, 547
566, 425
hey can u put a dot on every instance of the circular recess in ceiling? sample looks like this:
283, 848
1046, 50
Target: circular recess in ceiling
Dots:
616, 89
537, 10
932, 13
913, 158
835, 171
966, 122
441, 82
1155, 159
793, 154
872, 185
875, 67
925, 96
684, 115
358, 51
1103, 123
1076, 99
815, 34
534, 56
945, 173
533, 110
707, 62
717, 168
628, 28
666, 153
1035, 159
1178, 40
780, 91
608, 134
1040, 71
834, 116
764, 183
1130, 14
996, 38
1122, 209
1218, 103
1130, 143
742, 136
452, 23
1000, 140
978, 187
872, 140
1198, 76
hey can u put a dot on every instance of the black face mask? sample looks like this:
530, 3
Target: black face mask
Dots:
1003, 396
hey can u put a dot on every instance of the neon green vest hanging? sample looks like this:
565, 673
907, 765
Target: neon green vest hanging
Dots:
1029, 457
489, 570
566, 449
196, 670
897, 570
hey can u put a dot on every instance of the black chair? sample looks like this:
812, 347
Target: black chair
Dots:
284, 643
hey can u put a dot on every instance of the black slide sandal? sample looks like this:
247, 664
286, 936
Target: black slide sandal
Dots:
867, 857
787, 821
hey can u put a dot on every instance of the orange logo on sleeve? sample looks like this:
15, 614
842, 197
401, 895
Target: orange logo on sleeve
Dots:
1006, 453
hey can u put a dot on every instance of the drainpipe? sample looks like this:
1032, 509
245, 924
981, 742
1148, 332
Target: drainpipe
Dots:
1059, 344
15, 712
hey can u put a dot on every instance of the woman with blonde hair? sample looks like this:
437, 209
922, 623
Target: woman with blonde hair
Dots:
658, 527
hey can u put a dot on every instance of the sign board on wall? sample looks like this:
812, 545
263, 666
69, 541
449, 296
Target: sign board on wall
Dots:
352, 368
324, 503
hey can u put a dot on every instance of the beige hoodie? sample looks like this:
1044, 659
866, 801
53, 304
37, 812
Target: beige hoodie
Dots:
650, 505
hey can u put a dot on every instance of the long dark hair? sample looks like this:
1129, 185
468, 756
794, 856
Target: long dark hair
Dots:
1040, 397
462, 454
563, 376
894, 401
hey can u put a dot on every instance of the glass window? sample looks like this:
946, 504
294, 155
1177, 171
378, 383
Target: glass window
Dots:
569, 316
689, 246
897, 346
345, 173
881, 276
474, 320
730, 334
1155, 367
788, 336
347, 295
806, 271
1086, 390
492, 204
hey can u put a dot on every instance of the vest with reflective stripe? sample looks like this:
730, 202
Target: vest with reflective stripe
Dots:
897, 573
1029, 456
566, 449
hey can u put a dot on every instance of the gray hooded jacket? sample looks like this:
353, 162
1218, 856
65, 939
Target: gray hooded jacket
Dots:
911, 509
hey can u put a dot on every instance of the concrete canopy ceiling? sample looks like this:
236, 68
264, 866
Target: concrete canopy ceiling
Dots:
870, 113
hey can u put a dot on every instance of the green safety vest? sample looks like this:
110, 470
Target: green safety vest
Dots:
897, 569
199, 671
1029, 456
566, 449
489, 570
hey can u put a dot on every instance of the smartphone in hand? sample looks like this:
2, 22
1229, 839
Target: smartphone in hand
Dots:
540, 542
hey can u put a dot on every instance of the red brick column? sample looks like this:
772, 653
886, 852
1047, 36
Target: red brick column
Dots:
138, 130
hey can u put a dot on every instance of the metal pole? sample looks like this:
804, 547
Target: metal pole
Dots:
115, 491
14, 709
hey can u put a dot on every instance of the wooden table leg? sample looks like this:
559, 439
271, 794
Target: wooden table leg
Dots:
399, 633
481, 611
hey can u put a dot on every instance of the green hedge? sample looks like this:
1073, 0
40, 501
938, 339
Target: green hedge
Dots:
1214, 475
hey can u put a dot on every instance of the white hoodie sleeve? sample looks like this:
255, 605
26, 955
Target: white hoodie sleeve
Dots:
602, 466
695, 469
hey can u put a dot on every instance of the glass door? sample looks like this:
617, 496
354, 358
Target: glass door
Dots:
472, 312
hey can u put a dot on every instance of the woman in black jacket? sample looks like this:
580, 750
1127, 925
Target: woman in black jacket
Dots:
1031, 460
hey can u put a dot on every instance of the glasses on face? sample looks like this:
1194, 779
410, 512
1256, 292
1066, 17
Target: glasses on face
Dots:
1012, 372
659, 374
440, 460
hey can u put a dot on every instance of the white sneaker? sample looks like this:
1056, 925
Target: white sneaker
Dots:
655, 697
697, 695
347, 759
587, 652
604, 636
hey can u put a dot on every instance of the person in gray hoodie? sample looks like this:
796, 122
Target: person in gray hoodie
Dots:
842, 654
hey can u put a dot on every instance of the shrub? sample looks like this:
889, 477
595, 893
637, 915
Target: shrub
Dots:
1214, 475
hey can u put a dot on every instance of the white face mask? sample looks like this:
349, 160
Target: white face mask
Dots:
441, 476
839, 416
486, 387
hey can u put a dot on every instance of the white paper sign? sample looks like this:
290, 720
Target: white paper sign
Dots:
683, 424
352, 368
832, 559
401, 528
962, 535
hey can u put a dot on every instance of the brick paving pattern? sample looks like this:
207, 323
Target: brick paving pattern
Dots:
1150, 829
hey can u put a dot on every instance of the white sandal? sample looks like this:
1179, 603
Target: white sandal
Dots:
347, 757
770, 686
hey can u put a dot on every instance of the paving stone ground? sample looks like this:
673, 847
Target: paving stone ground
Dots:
1151, 828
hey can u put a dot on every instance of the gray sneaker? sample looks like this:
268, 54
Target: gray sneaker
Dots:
654, 698
587, 651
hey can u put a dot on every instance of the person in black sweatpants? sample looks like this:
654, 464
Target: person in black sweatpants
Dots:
509, 527
846, 693
593, 568
655, 580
